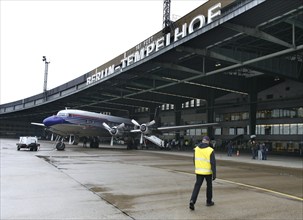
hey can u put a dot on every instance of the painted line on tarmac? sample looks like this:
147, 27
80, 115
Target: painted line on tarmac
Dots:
251, 186
263, 189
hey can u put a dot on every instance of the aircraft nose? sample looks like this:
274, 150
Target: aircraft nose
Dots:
53, 120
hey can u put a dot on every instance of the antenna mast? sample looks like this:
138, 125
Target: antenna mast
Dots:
166, 13
166, 16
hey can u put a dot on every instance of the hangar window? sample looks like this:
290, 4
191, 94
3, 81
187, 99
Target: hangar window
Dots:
240, 131
218, 131
186, 104
232, 131
218, 118
300, 112
192, 103
203, 131
235, 117
227, 117
245, 116
192, 132
275, 129
293, 129
198, 102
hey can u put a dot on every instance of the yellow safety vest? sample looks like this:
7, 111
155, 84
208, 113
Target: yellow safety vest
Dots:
202, 160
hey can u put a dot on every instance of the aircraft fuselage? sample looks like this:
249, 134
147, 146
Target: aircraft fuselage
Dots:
84, 123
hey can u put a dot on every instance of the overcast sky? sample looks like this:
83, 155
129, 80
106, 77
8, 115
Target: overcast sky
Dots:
75, 37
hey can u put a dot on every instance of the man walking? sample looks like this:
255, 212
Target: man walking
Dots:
205, 168
253, 146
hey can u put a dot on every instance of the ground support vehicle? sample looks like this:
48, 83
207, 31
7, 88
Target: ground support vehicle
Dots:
30, 143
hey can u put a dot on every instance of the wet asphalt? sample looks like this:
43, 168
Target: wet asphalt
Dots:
83, 183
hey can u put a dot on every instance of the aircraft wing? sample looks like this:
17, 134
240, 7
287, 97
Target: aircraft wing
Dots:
158, 141
56, 131
38, 124
185, 127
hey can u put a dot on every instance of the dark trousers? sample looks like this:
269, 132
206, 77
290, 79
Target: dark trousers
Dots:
198, 184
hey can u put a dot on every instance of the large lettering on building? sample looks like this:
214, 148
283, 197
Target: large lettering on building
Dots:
155, 45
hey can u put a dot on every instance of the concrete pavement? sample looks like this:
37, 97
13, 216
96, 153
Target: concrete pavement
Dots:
118, 184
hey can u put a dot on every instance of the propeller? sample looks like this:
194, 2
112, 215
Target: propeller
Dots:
143, 128
114, 131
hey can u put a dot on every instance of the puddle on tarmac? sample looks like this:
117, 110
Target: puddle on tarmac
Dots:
123, 202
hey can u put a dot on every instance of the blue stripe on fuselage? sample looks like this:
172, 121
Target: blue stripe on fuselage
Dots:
73, 119
54, 120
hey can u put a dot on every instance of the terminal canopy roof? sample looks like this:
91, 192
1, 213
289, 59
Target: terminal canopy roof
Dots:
251, 46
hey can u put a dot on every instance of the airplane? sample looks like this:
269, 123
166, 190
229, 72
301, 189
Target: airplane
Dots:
78, 123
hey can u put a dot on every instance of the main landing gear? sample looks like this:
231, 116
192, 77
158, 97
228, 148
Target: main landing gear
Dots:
59, 143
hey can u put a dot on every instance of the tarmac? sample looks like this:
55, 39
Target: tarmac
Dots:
81, 183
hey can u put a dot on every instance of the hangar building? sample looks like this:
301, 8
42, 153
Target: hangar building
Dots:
235, 62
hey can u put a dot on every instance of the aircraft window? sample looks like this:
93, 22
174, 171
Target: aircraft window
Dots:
63, 114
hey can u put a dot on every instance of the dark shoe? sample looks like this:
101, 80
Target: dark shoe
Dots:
191, 205
210, 203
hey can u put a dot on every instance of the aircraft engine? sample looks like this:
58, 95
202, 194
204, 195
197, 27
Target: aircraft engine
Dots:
114, 131
143, 128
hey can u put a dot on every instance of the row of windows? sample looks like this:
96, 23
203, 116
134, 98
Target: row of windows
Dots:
232, 117
281, 113
190, 104
273, 129
231, 131
281, 129
263, 114
190, 132
270, 129
238, 116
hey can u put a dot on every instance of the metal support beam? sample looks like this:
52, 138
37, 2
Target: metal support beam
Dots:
208, 53
297, 23
179, 68
256, 33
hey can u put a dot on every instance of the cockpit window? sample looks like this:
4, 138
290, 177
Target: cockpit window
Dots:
62, 114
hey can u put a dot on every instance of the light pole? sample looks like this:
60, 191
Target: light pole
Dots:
45, 74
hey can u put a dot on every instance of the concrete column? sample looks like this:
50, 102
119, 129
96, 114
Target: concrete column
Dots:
253, 96
178, 108
131, 113
210, 112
